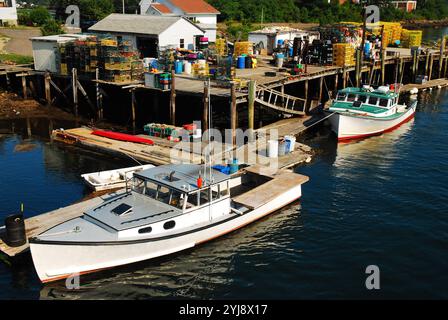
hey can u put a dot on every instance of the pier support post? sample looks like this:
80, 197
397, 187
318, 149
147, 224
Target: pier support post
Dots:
47, 79
205, 115
383, 66
442, 50
251, 104
75, 90
427, 63
344, 78
24, 88
321, 85
358, 67
173, 99
431, 63
99, 98
336, 79
445, 67
233, 123
306, 108
133, 108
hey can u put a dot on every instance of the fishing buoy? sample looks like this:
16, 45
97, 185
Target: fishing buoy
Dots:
15, 230
199, 182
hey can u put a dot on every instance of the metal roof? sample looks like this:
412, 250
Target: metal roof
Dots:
194, 6
136, 24
184, 178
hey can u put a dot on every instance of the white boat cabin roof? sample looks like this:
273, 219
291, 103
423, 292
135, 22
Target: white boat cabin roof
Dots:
182, 177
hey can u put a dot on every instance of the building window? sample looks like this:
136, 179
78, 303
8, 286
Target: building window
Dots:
182, 43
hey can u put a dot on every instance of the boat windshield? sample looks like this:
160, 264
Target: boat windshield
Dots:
158, 192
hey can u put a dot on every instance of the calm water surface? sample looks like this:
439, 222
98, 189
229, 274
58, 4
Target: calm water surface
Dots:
380, 201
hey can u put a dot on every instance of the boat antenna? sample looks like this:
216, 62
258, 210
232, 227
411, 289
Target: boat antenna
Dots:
209, 151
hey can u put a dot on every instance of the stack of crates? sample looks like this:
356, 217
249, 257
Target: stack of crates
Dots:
391, 33
161, 130
241, 48
221, 47
343, 54
411, 38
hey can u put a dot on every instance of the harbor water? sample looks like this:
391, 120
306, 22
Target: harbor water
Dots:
380, 201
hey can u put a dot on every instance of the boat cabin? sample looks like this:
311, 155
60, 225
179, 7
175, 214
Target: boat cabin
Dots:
379, 98
183, 187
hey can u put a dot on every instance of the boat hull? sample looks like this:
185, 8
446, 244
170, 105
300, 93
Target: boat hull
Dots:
350, 127
56, 261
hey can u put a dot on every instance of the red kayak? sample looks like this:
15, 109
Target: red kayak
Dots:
122, 137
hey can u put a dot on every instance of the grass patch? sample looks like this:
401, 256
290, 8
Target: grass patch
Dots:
15, 58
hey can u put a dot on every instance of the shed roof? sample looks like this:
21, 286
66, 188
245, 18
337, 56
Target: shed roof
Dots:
194, 6
136, 24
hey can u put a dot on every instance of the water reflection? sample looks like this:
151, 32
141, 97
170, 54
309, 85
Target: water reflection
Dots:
201, 272
379, 150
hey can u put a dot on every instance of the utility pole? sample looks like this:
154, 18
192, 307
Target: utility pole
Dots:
124, 11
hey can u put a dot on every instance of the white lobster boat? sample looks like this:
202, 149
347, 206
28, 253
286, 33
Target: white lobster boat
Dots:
112, 179
167, 209
360, 113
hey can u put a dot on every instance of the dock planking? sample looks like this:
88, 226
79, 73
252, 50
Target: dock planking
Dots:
40, 223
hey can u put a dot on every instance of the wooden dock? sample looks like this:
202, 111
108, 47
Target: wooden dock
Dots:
436, 83
38, 224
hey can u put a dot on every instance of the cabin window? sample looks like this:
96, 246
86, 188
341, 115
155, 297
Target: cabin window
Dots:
169, 225
163, 194
177, 199
351, 97
204, 197
341, 96
145, 230
151, 189
362, 98
138, 185
373, 100
224, 189
384, 102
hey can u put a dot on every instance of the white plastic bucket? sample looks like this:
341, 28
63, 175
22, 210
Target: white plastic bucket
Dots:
187, 67
273, 148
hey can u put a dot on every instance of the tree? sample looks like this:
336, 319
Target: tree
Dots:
51, 27
39, 16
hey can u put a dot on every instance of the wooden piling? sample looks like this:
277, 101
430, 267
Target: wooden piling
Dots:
442, 51
431, 63
306, 107
358, 68
99, 100
233, 123
133, 108
344, 78
47, 80
383, 66
173, 99
336, 79
75, 90
321, 88
24, 88
251, 103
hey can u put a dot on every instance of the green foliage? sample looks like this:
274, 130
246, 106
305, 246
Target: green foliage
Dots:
239, 30
90, 9
39, 16
23, 17
320, 11
15, 58
51, 27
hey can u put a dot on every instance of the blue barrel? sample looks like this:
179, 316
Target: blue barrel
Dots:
241, 63
291, 52
178, 67
234, 166
281, 56
280, 42
367, 48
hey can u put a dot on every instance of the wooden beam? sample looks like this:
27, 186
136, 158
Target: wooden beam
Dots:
75, 90
133, 108
321, 88
24, 88
442, 50
251, 103
173, 99
233, 123
336, 79
47, 79
431, 63
383, 66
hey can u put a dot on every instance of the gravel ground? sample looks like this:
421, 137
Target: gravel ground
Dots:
19, 42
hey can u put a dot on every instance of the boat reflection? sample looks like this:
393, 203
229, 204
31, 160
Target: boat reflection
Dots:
197, 273
379, 149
